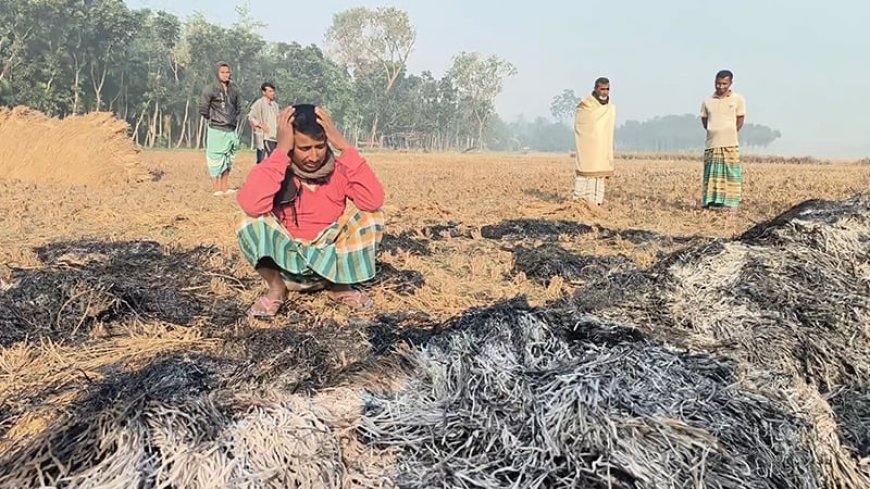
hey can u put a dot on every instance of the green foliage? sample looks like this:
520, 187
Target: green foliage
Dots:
65, 57
375, 45
478, 81
68, 57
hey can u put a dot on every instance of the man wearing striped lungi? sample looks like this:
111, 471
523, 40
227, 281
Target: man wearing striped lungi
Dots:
722, 116
294, 230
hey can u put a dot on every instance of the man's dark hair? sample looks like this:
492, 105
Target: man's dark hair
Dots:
601, 81
266, 85
725, 74
305, 122
221, 65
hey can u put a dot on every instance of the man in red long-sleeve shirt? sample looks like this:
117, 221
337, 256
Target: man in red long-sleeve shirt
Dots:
295, 231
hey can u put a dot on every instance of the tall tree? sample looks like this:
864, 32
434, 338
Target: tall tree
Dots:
479, 80
759, 136
17, 18
109, 28
564, 105
303, 74
373, 43
33, 54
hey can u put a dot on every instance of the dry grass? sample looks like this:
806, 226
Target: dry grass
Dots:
91, 149
471, 191
423, 190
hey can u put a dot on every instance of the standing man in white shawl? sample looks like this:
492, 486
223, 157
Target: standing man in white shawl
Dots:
594, 125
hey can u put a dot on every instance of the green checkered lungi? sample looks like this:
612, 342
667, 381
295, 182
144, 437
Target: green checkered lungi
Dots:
343, 253
220, 150
723, 177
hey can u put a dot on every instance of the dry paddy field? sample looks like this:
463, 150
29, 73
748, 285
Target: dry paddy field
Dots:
126, 359
454, 222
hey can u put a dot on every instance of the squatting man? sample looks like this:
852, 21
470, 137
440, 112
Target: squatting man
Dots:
294, 230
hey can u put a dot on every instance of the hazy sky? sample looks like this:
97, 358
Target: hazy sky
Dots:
804, 67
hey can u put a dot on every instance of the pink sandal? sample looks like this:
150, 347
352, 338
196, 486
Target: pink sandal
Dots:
265, 308
354, 299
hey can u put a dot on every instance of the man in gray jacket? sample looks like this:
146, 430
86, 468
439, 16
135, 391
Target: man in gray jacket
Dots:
220, 105
264, 121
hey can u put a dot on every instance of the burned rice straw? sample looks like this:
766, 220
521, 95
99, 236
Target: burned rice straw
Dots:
791, 296
179, 422
788, 302
534, 228
790, 299
542, 263
525, 399
405, 241
400, 282
852, 410
90, 283
511, 395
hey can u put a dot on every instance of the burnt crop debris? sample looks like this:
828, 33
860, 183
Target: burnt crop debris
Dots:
85, 283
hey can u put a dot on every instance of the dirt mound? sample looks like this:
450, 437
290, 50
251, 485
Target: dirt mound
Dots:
92, 149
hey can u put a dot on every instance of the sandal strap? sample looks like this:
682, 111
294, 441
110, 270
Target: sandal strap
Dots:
355, 299
269, 302
269, 307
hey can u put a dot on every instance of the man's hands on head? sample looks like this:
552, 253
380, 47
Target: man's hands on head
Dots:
335, 137
286, 135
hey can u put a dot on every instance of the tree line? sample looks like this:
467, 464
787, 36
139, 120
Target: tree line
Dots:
671, 133
68, 57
